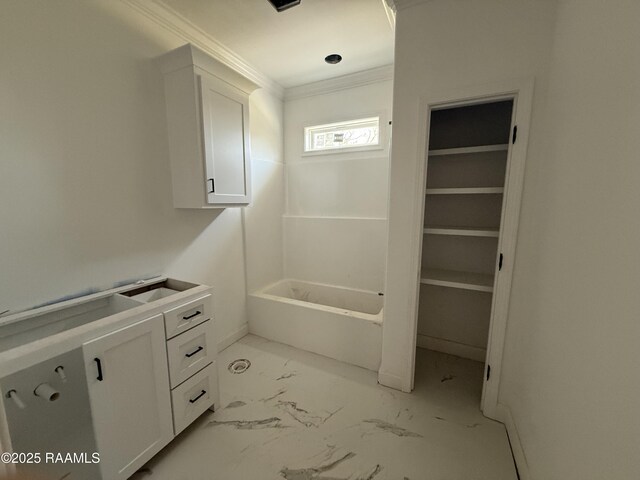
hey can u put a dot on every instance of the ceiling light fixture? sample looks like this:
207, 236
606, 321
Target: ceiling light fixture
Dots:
282, 5
333, 58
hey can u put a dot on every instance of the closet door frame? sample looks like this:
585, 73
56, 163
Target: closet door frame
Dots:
521, 91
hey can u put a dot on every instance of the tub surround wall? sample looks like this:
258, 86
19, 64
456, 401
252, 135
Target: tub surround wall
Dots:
85, 177
335, 222
333, 232
341, 251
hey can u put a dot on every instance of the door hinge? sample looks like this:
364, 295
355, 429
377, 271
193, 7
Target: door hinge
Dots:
213, 185
515, 134
500, 263
488, 372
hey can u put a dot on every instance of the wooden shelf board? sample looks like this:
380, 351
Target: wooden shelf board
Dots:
466, 150
465, 191
462, 231
478, 282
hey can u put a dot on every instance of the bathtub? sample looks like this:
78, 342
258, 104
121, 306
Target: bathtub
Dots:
337, 322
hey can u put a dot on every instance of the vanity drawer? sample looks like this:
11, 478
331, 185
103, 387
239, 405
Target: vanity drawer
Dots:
190, 352
182, 318
194, 396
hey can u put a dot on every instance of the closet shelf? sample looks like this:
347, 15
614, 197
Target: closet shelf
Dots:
478, 282
463, 150
465, 191
462, 231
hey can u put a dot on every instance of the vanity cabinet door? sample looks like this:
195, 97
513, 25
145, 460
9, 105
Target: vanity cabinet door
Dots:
225, 124
129, 395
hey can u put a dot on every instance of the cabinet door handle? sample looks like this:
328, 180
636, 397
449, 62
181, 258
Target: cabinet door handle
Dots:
189, 317
99, 364
194, 400
189, 355
213, 185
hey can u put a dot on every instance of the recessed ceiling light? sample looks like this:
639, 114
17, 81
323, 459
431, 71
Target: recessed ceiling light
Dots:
333, 58
281, 5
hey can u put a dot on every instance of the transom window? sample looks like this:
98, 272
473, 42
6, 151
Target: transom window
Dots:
360, 133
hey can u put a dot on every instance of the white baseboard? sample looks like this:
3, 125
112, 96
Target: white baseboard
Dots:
233, 337
391, 380
504, 415
452, 348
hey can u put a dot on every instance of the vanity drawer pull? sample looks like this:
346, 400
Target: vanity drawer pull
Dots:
189, 355
194, 400
186, 316
189, 352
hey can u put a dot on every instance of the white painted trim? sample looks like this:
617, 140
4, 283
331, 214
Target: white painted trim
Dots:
462, 231
344, 82
233, 337
507, 242
522, 92
397, 5
390, 13
350, 157
478, 282
392, 381
503, 414
169, 19
340, 151
371, 153
466, 150
466, 191
452, 348
324, 217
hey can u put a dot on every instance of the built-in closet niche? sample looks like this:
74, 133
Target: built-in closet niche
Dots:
466, 168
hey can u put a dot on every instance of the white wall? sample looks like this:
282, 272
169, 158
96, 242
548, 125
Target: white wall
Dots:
84, 168
263, 218
440, 46
335, 226
570, 367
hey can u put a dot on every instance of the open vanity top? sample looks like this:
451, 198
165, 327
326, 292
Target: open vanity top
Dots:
62, 326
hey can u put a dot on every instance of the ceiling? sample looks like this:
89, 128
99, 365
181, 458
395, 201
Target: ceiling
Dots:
290, 46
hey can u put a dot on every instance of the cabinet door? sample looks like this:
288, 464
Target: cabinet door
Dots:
225, 123
129, 394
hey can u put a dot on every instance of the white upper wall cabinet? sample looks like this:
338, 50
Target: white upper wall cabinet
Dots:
208, 123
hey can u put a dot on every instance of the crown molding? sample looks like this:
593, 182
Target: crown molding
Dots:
167, 18
190, 56
397, 5
391, 14
357, 79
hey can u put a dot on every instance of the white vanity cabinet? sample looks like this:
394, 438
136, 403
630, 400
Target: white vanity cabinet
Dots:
208, 123
129, 395
119, 372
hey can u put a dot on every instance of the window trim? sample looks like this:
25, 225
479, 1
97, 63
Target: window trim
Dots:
382, 135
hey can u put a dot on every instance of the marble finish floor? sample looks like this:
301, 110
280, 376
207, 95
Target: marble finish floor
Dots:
294, 415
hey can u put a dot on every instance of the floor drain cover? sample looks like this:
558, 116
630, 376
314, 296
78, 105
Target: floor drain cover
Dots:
239, 366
